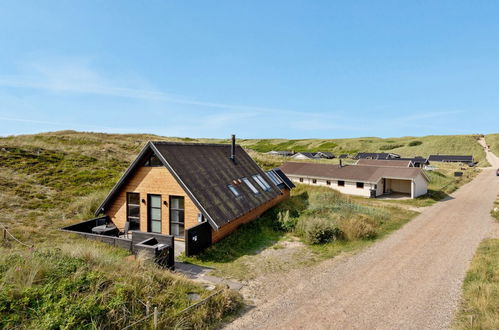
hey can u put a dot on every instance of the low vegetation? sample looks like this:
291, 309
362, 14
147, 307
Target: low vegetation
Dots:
479, 308
325, 221
405, 146
493, 141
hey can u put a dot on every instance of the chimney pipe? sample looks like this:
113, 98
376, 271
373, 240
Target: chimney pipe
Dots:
233, 149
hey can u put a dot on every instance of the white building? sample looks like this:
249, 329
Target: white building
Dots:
360, 180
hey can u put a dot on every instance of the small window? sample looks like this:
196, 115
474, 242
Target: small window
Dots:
328, 182
341, 183
250, 185
360, 185
234, 190
153, 161
314, 180
274, 178
261, 182
301, 179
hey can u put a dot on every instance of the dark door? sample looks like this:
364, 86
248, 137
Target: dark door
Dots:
154, 213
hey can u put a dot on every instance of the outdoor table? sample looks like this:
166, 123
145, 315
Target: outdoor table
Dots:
105, 230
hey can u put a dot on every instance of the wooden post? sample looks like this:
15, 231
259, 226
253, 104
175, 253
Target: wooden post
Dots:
148, 308
155, 317
4, 234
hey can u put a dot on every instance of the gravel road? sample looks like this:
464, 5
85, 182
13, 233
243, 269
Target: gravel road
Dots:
410, 280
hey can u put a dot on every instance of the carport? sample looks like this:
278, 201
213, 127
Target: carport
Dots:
397, 185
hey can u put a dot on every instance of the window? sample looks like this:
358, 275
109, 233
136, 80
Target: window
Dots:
314, 180
360, 185
274, 178
153, 161
154, 212
328, 182
234, 190
301, 179
250, 185
177, 216
341, 183
133, 210
261, 182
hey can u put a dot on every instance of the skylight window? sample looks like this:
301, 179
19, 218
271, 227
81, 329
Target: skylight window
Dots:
261, 182
274, 178
250, 185
234, 190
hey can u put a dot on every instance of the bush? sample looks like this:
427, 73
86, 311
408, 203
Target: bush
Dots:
390, 146
360, 227
285, 222
415, 143
317, 230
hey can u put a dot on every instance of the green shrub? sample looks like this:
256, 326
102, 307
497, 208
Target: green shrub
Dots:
415, 143
317, 230
390, 146
359, 227
285, 222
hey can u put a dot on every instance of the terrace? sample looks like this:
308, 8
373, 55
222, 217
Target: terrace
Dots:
157, 247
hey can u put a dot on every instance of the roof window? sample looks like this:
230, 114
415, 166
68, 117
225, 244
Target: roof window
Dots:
261, 182
234, 190
250, 185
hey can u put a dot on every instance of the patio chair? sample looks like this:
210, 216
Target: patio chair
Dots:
124, 233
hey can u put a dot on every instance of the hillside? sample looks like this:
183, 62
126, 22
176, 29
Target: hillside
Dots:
493, 141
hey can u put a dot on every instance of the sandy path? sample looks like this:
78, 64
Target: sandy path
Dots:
410, 280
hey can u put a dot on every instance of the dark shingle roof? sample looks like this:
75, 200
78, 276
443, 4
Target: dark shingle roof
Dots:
205, 171
451, 158
397, 162
343, 156
375, 155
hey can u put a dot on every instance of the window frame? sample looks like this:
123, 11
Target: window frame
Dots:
181, 212
149, 220
128, 204
314, 181
328, 182
234, 190
360, 185
301, 179
148, 162
341, 183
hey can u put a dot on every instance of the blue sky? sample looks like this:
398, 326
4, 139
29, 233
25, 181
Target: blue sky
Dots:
260, 69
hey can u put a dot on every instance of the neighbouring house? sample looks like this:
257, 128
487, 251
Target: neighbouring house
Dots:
282, 153
376, 155
360, 180
211, 189
385, 162
325, 155
417, 161
452, 159
305, 155
343, 156
313, 155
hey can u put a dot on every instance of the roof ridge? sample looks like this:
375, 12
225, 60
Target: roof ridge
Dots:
193, 143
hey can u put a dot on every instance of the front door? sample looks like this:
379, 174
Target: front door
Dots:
154, 213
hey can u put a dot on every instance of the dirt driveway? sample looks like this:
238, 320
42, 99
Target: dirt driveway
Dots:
410, 280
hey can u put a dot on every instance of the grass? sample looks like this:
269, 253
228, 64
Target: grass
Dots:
258, 248
493, 141
479, 308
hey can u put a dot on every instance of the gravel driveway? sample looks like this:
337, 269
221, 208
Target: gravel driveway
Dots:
410, 280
